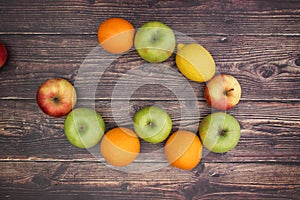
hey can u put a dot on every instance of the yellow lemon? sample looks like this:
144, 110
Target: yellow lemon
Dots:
195, 62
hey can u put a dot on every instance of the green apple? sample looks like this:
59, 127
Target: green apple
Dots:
84, 127
219, 132
152, 124
155, 41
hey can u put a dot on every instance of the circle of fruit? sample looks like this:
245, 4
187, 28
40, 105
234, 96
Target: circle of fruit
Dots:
183, 150
115, 35
120, 146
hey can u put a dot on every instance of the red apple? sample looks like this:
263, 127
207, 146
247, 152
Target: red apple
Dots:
223, 92
56, 97
3, 54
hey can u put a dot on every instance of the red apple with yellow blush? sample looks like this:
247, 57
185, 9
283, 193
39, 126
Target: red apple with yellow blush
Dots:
56, 97
3, 54
223, 92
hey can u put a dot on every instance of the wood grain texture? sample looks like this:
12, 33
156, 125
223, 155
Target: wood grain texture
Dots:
256, 41
194, 16
94, 180
271, 133
267, 69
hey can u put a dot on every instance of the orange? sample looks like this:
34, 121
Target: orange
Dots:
183, 150
115, 35
120, 146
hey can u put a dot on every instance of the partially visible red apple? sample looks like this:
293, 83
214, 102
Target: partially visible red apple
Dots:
56, 97
223, 92
3, 54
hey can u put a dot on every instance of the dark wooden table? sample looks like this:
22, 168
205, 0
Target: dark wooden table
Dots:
256, 41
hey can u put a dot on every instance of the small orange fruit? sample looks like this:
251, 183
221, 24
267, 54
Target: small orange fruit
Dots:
115, 35
183, 150
120, 146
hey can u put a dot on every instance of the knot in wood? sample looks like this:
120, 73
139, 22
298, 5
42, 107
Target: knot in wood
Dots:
41, 180
297, 62
267, 72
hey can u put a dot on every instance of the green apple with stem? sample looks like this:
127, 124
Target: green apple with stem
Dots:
152, 124
155, 41
219, 132
84, 127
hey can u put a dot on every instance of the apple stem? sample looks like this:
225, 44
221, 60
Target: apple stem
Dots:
221, 132
150, 123
154, 39
81, 128
226, 92
56, 100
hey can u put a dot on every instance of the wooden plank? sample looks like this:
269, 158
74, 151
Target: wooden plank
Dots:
256, 41
64, 180
263, 65
270, 134
204, 17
